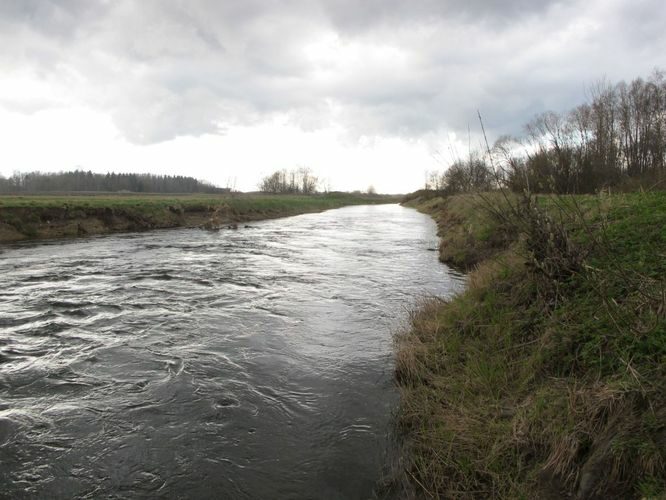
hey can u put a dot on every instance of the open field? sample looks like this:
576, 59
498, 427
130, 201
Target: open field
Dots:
546, 378
71, 215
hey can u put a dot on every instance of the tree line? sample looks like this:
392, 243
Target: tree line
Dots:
295, 181
79, 180
617, 137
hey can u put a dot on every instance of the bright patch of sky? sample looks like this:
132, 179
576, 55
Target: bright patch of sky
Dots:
362, 93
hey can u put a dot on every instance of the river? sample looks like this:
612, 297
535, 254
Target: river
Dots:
249, 363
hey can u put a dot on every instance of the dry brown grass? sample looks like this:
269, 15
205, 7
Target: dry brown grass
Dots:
507, 393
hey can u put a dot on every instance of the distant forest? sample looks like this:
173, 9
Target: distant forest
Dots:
79, 180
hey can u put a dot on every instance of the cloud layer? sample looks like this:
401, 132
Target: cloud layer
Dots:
381, 68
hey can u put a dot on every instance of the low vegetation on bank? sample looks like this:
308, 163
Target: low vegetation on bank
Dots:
46, 216
546, 378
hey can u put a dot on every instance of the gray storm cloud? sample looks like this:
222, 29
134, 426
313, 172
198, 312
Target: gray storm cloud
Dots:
169, 68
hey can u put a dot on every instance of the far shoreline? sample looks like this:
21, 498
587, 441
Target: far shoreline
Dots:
37, 217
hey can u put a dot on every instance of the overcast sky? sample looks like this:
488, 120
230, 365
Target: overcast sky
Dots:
363, 92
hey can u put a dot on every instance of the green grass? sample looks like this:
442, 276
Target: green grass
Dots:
240, 201
45, 216
525, 388
468, 233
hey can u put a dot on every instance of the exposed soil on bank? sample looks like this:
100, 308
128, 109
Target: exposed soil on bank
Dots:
37, 217
47, 223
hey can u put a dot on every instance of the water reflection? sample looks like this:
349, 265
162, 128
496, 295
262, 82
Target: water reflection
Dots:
241, 364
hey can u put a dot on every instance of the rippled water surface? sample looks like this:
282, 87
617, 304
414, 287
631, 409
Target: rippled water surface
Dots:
240, 364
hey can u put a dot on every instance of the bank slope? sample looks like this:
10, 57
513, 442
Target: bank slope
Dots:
546, 378
45, 216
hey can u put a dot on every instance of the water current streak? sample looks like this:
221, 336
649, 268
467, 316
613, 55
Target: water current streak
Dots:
236, 364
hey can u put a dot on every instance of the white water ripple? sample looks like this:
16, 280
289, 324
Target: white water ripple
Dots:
253, 363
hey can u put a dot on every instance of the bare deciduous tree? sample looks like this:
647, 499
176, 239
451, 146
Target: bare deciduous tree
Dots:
298, 181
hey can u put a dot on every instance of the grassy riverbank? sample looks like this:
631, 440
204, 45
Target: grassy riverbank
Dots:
547, 377
47, 216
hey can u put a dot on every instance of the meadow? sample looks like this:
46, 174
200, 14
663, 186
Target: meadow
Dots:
70, 215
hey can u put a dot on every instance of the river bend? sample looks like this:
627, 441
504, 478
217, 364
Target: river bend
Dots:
249, 363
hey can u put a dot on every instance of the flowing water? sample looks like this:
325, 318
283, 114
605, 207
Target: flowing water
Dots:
254, 363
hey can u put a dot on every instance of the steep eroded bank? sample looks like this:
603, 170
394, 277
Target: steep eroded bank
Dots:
45, 217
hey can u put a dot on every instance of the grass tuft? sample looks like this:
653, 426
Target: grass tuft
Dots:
546, 378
